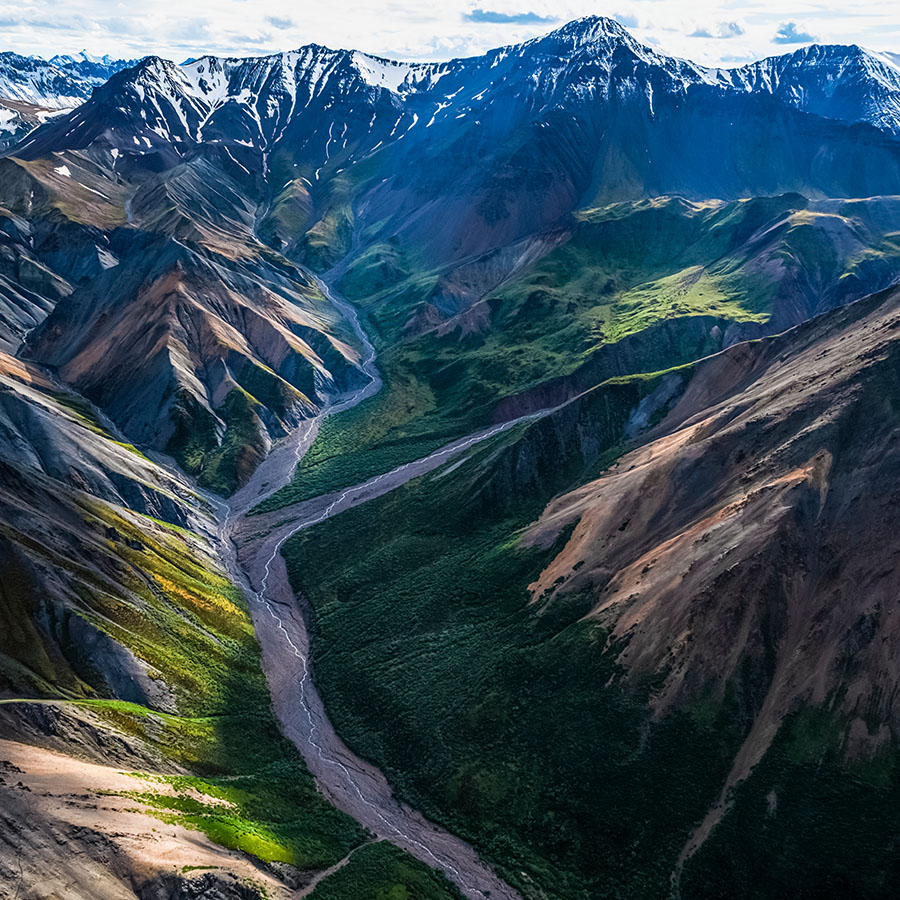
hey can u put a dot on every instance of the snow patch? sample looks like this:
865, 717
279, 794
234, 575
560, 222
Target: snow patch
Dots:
383, 73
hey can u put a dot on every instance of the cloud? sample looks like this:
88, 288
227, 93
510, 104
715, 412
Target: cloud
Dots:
243, 41
120, 25
72, 23
626, 21
191, 30
280, 22
721, 31
489, 16
788, 34
737, 59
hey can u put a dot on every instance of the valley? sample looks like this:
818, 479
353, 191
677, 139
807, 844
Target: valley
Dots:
352, 784
450, 479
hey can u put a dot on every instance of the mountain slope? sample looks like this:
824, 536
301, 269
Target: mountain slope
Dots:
585, 112
757, 565
124, 646
624, 288
577, 694
644, 638
165, 278
63, 82
33, 90
836, 81
189, 347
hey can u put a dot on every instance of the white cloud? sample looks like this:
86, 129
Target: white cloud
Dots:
790, 33
411, 29
720, 30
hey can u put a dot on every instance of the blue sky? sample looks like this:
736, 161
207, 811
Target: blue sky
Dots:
708, 31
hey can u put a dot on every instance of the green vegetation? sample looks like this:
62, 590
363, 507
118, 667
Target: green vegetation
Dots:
693, 291
806, 823
189, 623
505, 720
637, 287
242, 449
385, 431
194, 629
267, 811
194, 432
252, 793
152, 591
132, 585
382, 872
86, 415
220, 465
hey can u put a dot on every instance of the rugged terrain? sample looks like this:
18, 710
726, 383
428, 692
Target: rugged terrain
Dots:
33, 90
449, 479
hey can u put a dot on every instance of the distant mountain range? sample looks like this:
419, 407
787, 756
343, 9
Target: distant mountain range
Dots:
585, 114
33, 90
469, 169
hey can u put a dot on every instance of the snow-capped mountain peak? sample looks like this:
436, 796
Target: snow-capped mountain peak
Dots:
382, 73
65, 59
33, 89
837, 81
337, 106
590, 30
62, 82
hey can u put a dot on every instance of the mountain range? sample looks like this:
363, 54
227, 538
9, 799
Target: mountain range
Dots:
32, 90
560, 382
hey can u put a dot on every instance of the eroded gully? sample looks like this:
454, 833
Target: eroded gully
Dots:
252, 553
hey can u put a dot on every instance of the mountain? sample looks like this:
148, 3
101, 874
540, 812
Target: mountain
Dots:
589, 351
62, 82
184, 328
33, 90
675, 593
116, 612
585, 114
839, 82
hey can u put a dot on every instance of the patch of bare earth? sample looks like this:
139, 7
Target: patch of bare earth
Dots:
755, 531
68, 828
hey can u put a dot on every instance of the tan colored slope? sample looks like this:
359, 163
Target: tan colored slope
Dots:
70, 830
180, 323
48, 430
68, 184
753, 541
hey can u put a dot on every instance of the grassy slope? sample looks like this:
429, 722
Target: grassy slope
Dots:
807, 823
382, 872
224, 463
508, 726
250, 789
508, 722
150, 587
150, 591
626, 269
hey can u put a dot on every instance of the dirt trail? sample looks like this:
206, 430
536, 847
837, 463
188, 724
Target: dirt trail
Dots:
350, 783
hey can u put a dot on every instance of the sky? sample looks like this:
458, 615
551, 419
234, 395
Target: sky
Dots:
713, 32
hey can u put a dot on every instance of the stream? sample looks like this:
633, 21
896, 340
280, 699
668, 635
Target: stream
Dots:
352, 784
